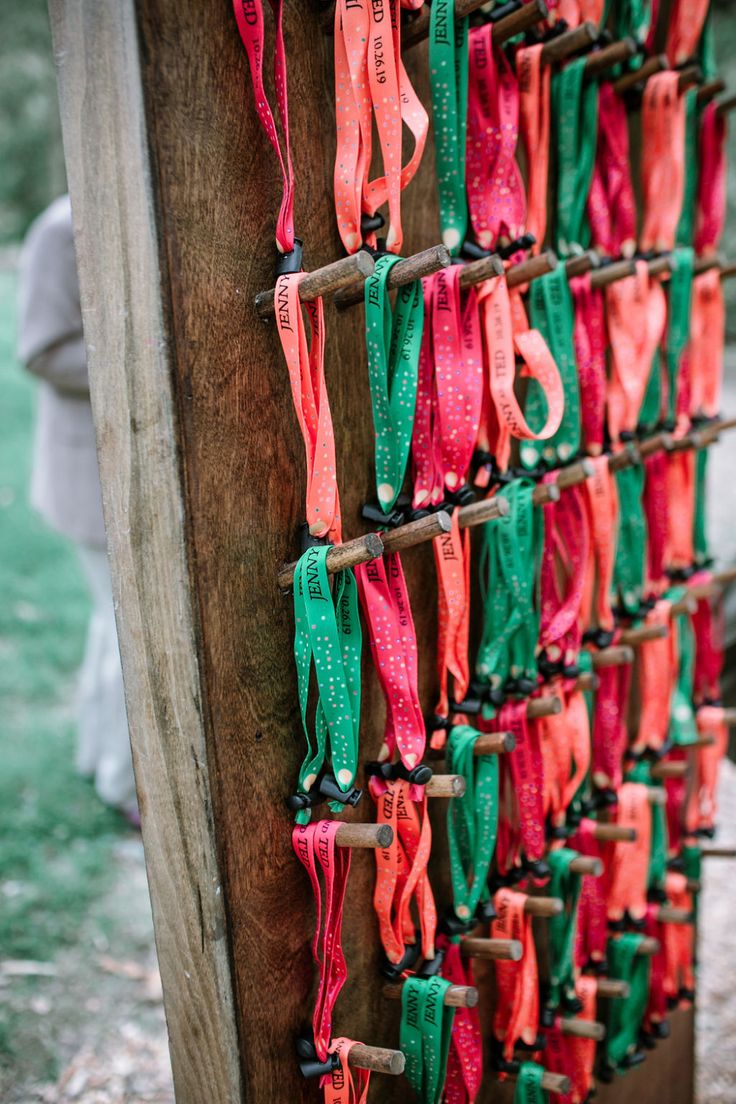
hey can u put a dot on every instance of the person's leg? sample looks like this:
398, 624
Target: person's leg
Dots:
102, 708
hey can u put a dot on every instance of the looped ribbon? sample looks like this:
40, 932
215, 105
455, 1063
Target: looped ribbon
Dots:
249, 17
682, 731
630, 564
575, 12
663, 160
425, 1034
465, 1060
305, 361
370, 80
701, 807
658, 843
315, 848
521, 806
656, 1010
629, 866
328, 636
655, 502
711, 196
517, 1010
472, 820
708, 629
401, 871
448, 77
625, 1014
611, 205
344, 1079
657, 670
592, 930
534, 123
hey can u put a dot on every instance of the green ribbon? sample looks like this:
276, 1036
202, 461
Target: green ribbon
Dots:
328, 635
472, 820
651, 407
393, 340
692, 861
679, 290
551, 312
631, 18
529, 1085
629, 567
683, 729
686, 225
565, 884
425, 1034
511, 549
700, 526
625, 1014
448, 78
575, 118
706, 51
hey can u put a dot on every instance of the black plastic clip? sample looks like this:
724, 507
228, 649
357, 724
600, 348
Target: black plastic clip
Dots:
371, 511
309, 1063
325, 789
599, 637
306, 540
431, 967
526, 241
393, 971
390, 772
291, 261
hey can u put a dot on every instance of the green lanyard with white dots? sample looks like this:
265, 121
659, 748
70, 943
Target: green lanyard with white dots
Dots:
448, 76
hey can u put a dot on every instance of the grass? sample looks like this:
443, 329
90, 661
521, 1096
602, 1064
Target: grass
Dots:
55, 836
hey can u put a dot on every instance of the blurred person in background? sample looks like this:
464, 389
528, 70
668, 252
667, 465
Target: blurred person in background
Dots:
65, 487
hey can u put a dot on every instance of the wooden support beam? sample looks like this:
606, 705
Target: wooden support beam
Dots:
709, 90
478, 513
718, 852
550, 706
475, 272
668, 914
582, 263
531, 269
587, 864
676, 768
614, 833
725, 106
364, 836
640, 635
544, 906
583, 1029
618, 655
556, 1083
689, 76
416, 532
494, 743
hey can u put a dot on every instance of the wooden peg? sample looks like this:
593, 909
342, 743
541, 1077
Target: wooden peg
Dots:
583, 1029
377, 836
648, 946
543, 707
575, 474
477, 513
475, 272
403, 272
693, 885
417, 532
655, 443
457, 996
376, 1059
640, 635
543, 906
568, 43
551, 1082
626, 458
613, 988
418, 29
587, 864
340, 557
494, 743
703, 741
718, 852
723, 578
618, 655
509, 950
729, 717
614, 833
544, 493
657, 796
668, 914
582, 263
640, 76
609, 56
689, 76
323, 281
724, 107
587, 681
445, 785
660, 264
610, 273
677, 768
531, 269
728, 271
706, 263
709, 90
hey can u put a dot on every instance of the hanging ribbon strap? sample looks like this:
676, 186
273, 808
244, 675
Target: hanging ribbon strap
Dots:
517, 1009
345, 1079
575, 115
611, 206
465, 1061
425, 1034
565, 885
472, 820
534, 120
448, 74
663, 160
629, 868
528, 1089
625, 1014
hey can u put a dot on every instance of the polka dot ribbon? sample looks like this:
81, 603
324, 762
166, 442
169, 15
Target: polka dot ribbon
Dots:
448, 75
425, 1034
345, 1085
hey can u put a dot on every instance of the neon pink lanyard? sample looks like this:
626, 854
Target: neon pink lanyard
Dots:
592, 928
590, 356
663, 160
655, 503
564, 561
711, 201
610, 735
496, 198
534, 119
522, 787
305, 361
465, 1060
249, 17
315, 848
387, 611
370, 79
708, 630
611, 203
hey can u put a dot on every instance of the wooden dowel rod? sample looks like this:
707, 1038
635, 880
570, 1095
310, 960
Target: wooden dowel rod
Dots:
587, 864
654, 443
718, 852
610, 273
688, 77
576, 473
323, 281
707, 263
725, 106
618, 655
417, 532
611, 55
377, 836
677, 768
544, 493
657, 796
543, 707
445, 785
531, 269
457, 996
614, 833
693, 885
648, 946
510, 950
613, 988
587, 681
578, 266
640, 635
709, 90
543, 906
641, 76
728, 271
626, 458
403, 272
494, 743
688, 604
568, 43
583, 1029
340, 556
723, 578
668, 914
418, 29
729, 716
703, 741
659, 265
477, 513
552, 1082
376, 1059
475, 272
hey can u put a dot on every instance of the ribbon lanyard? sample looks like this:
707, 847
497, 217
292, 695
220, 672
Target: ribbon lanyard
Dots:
685, 27
472, 820
631, 18
657, 670
686, 226
625, 1014
663, 160
682, 730
370, 78
711, 198
565, 558
629, 568
328, 635
393, 342
344, 1078
590, 357
528, 1088
700, 519
602, 499
534, 122
678, 322
611, 205
636, 317
521, 821
657, 869
315, 848
465, 1061
551, 313
249, 17
610, 735
425, 1033
566, 885
496, 196
629, 866
705, 351
517, 1009
575, 114
448, 75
